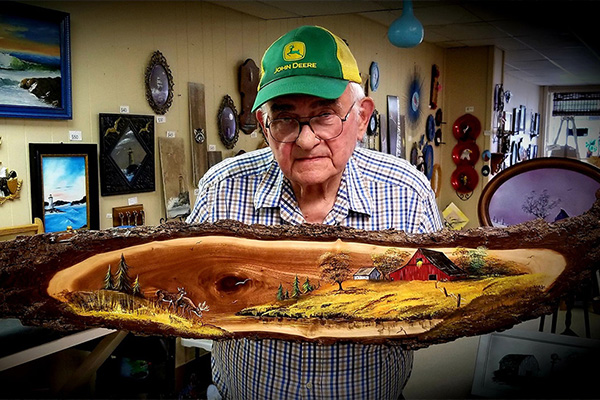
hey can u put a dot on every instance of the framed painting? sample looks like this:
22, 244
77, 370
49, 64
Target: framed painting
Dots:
35, 62
126, 154
64, 185
551, 188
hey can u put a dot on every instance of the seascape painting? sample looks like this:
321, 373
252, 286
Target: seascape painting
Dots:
35, 77
65, 192
30, 72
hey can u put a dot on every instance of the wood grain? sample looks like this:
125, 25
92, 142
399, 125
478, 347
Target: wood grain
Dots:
234, 267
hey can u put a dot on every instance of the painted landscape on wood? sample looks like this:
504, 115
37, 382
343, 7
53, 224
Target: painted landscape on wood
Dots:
310, 282
217, 285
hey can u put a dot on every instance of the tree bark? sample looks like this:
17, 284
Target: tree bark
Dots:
234, 267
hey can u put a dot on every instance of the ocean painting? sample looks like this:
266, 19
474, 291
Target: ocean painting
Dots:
65, 192
30, 62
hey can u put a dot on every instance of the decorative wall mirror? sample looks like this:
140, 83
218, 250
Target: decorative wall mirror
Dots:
228, 122
126, 153
159, 84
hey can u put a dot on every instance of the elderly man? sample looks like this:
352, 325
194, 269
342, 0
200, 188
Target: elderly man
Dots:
313, 111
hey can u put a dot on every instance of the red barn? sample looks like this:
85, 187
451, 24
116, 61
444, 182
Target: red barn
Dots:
428, 265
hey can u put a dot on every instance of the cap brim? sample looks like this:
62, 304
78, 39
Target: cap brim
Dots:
319, 86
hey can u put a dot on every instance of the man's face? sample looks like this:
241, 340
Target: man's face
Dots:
310, 161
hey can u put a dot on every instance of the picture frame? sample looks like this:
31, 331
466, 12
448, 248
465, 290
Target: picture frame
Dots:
126, 154
159, 83
64, 185
228, 122
551, 188
38, 63
529, 364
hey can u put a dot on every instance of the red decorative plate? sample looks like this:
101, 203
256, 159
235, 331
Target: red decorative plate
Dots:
465, 153
464, 179
466, 127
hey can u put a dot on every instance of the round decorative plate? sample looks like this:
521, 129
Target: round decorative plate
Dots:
465, 153
430, 128
466, 127
438, 117
485, 170
414, 154
438, 137
374, 72
373, 123
464, 179
428, 156
486, 155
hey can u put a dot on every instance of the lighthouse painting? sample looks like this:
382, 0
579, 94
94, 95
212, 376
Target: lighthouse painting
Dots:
65, 192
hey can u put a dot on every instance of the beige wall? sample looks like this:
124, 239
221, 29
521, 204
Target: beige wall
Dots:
470, 81
111, 43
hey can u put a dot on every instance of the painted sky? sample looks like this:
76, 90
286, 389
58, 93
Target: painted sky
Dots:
574, 191
64, 177
28, 36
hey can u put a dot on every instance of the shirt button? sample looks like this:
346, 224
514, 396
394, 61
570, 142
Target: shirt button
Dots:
309, 385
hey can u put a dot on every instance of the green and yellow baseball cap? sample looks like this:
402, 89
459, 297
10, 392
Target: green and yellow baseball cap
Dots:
307, 60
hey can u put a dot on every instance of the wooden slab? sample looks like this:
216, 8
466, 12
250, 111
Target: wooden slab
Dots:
232, 274
249, 77
175, 183
197, 130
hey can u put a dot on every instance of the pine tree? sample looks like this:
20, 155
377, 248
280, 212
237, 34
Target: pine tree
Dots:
123, 281
296, 288
287, 295
109, 280
137, 289
306, 286
280, 292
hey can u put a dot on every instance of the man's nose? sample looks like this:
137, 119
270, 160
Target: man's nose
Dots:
307, 138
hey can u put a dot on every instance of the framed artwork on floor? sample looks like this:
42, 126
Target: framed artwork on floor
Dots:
64, 185
35, 62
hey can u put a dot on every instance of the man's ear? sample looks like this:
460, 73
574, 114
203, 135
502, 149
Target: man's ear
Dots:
366, 107
260, 119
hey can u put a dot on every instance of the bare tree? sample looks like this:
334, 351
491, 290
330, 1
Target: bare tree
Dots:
335, 267
539, 205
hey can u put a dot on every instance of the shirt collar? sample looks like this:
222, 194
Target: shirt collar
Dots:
275, 191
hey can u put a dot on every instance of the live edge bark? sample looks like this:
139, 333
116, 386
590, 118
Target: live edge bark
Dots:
28, 263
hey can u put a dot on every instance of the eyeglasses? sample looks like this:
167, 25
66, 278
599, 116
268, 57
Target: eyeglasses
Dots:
326, 126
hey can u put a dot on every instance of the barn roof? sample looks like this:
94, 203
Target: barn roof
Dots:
442, 262
366, 271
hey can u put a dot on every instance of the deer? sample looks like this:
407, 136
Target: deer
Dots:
187, 306
170, 298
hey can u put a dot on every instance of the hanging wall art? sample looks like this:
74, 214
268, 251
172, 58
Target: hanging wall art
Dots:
126, 153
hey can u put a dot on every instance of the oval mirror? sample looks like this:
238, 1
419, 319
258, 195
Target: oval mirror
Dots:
159, 84
228, 122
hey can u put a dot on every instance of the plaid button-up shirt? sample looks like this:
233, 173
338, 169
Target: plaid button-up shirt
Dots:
378, 191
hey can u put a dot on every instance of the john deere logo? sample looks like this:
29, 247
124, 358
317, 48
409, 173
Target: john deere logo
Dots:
294, 51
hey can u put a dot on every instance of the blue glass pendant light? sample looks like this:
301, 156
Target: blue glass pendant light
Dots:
406, 31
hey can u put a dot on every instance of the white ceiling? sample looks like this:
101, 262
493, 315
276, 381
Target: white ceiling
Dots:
547, 43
